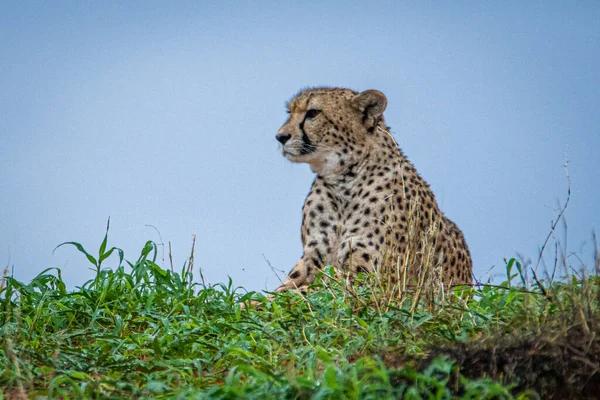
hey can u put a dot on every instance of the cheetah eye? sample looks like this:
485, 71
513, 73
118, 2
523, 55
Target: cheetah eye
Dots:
310, 114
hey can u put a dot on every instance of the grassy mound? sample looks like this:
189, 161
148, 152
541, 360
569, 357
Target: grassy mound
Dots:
140, 331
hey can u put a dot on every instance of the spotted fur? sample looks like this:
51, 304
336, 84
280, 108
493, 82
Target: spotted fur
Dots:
367, 200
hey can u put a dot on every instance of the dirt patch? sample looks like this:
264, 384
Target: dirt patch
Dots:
557, 362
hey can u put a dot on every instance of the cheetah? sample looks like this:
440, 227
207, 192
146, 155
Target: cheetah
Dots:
367, 199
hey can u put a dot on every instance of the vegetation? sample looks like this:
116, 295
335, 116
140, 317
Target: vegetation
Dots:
141, 331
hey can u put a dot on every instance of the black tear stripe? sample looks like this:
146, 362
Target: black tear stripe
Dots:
307, 146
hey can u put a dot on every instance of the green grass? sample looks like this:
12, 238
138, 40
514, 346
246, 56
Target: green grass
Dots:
140, 331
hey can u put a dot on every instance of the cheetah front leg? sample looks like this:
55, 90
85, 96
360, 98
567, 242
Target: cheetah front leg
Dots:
352, 260
298, 279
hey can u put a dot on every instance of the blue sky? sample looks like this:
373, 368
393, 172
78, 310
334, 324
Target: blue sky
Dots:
164, 114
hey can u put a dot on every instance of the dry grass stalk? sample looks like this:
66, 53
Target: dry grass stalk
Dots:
4, 275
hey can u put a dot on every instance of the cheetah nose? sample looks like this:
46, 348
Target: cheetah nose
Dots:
283, 137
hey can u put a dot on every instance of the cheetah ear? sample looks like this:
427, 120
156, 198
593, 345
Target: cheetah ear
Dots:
371, 103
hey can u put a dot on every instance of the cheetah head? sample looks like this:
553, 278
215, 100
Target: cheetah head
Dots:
327, 128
